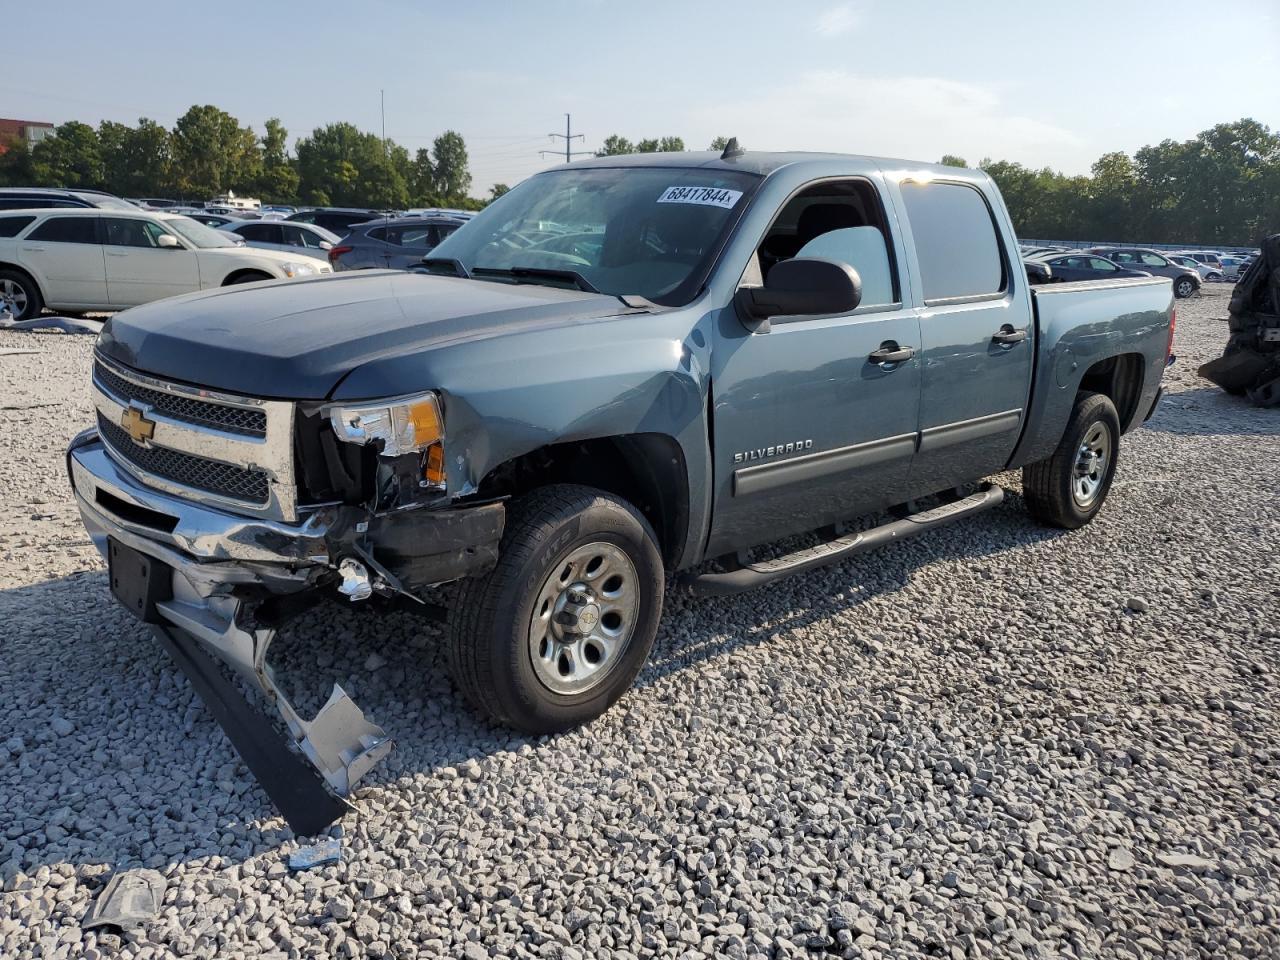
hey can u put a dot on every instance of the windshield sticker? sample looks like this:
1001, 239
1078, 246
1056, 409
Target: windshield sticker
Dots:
705, 196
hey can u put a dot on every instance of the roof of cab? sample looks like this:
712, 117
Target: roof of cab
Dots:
761, 163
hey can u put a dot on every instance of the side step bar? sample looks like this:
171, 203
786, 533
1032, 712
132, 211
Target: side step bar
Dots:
752, 575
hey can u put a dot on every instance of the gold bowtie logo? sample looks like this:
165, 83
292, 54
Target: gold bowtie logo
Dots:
137, 425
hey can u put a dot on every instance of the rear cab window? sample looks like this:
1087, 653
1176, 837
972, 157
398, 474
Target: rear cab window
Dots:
67, 230
957, 244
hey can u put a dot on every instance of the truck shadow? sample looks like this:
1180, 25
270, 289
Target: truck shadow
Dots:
1202, 411
112, 759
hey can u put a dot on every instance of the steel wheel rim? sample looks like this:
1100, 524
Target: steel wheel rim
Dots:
1093, 460
1184, 288
584, 617
14, 297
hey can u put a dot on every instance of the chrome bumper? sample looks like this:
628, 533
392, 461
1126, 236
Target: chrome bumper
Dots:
210, 553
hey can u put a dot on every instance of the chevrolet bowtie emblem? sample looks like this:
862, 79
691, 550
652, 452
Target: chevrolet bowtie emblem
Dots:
137, 425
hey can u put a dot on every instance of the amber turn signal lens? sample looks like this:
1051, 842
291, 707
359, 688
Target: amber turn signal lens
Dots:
425, 420
433, 469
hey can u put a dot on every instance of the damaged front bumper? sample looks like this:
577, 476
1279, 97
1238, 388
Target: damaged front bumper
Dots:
215, 571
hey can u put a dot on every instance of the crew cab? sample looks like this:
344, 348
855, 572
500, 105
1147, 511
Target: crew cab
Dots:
108, 259
622, 368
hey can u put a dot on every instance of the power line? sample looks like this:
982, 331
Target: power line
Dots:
568, 136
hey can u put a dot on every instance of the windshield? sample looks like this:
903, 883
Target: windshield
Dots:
198, 234
647, 231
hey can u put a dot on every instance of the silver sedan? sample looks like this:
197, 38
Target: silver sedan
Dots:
302, 238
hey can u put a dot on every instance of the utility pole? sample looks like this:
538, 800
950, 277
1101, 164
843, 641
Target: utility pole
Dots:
383, 95
569, 136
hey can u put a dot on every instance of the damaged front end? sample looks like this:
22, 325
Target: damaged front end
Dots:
359, 520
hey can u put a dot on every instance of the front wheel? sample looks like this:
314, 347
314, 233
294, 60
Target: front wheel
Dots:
555, 634
1068, 488
1184, 288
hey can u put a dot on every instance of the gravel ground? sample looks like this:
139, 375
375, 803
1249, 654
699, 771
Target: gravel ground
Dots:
993, 741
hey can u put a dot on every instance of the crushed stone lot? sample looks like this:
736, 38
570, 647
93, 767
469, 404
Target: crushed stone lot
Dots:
996, 740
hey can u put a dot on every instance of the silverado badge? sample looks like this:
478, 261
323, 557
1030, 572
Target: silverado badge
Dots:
137, 425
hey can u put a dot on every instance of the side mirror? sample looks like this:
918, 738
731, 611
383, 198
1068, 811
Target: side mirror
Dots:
802, 286
326, 245
167, 242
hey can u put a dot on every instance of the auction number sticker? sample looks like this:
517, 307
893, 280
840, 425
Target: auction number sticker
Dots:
706, 196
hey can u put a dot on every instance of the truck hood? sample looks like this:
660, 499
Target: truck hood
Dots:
296, 340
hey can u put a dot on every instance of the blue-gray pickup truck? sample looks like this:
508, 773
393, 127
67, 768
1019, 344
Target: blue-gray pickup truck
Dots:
621, 369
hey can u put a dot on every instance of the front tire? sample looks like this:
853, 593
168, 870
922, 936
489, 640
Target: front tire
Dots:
1068, 488
19, 293
1184, 288
556, 633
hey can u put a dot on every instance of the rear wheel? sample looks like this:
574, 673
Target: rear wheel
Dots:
20, 295
558, 630
1068, 489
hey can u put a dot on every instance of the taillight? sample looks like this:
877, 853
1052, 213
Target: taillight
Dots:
336, 252
1173, 324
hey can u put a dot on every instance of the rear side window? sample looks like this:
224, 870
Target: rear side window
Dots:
67, 230
12, 226
956, 240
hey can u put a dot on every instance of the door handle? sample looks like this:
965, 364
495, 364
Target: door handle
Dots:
890, 353
33, 249
1007, 336
112, 253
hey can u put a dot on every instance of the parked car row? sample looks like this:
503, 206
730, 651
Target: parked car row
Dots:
1109, 263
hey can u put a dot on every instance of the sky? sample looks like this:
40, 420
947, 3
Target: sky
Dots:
1052, 84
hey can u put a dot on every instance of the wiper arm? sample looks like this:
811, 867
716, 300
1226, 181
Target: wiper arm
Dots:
455, 265
537, 273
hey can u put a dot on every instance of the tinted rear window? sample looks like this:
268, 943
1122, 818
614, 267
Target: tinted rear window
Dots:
12, 226
67, 230
956, 241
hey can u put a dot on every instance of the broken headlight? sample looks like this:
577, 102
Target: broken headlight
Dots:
406, 427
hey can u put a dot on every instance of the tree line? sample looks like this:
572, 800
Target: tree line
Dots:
1220, 187
208, 152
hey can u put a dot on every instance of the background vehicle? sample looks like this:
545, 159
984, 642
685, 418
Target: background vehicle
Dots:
302, 238
1231, 266
629, 366
214, 220
398, 244
1085, 266
1206, 270
1185, 280
336, 219
452, 212
35, 198
111, 259
1208, 258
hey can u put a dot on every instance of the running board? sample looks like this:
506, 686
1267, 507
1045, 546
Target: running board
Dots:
752, 575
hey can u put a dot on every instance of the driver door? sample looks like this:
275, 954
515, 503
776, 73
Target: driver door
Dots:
139, 270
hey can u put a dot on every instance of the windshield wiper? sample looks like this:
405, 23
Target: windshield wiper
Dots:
534, 274
454, 265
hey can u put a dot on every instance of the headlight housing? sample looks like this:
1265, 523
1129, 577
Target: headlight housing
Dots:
294, 269
399, 427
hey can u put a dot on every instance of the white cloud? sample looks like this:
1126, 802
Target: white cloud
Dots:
915, 117
836, 21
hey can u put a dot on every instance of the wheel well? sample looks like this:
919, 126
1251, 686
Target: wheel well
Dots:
1119, 378
237, 275
26, 273
645, 469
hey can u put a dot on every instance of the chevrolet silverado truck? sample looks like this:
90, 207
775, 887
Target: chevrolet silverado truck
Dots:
623, 368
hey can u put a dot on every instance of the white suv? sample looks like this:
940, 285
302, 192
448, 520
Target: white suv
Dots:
88, 259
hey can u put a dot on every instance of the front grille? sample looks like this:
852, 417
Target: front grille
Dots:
238, 420
212, 476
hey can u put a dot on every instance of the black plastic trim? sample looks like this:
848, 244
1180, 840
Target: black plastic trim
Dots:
813, 466
964, 431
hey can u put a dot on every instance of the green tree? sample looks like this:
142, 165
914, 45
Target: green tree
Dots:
72, 157
951, 160
422, 180
497, 190
719, 143
452, 174
212, 153
137, 161
615, 145
15, 163
279, 181
342, 165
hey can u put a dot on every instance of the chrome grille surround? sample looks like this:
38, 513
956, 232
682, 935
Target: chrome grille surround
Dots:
207, 444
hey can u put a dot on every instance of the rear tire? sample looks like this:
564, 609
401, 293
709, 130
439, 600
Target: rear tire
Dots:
20, 294
556, 633
1068, 489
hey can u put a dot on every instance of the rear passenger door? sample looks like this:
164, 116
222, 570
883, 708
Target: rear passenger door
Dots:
976, 336
65, 254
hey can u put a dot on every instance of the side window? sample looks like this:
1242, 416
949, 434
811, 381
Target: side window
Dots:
1151, 260
1103, 266
261, 232
839, 220
67, 230
416, 238
383, 234
122, 232
298, 237
1121, 256
12, 226
956, 241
